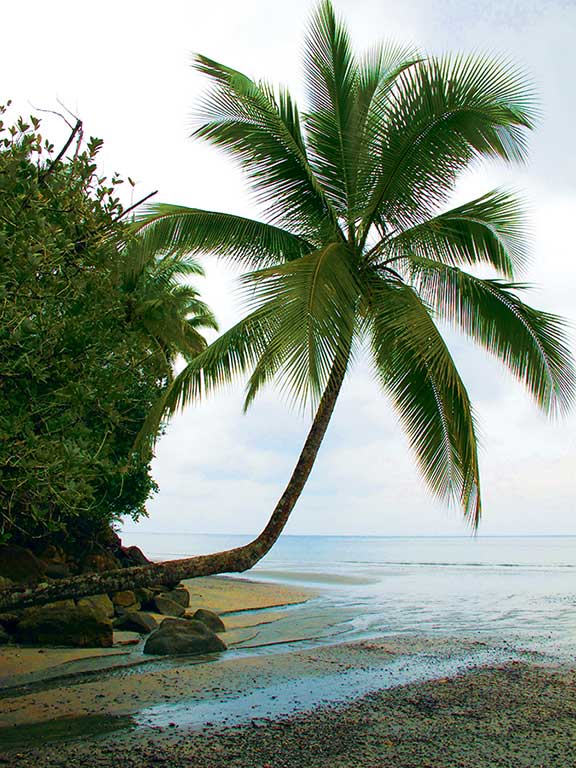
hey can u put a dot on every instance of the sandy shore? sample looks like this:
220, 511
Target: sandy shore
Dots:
399, 702
236, 600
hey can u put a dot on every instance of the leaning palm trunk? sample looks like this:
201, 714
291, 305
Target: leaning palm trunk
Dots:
230, 561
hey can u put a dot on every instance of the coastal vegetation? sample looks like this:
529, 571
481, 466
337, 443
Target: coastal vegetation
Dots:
90, 324
358, 251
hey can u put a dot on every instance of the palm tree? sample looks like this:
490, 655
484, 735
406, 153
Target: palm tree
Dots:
159, 302
359, 249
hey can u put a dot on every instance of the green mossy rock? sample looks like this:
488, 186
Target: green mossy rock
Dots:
99, 603
64, 623
125, 599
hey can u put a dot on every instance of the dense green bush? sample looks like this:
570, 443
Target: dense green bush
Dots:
89, 328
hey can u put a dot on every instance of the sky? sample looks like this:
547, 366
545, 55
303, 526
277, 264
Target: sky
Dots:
124, 68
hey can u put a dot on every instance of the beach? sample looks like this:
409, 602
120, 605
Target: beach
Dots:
400, 700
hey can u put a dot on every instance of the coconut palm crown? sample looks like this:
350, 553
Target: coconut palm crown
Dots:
358, 247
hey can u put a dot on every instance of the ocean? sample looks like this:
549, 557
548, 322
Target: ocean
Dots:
519, 591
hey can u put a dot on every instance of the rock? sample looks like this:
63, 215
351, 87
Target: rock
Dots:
125, 599
144, 595
167, 606
133, 556
137, 621
211, 619
20, 565
54, 561
100, 562
99, 603
4, 636
126, 638
183, 637
181, 596
64, 623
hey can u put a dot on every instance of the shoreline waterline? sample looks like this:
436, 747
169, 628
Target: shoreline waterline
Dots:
295, 651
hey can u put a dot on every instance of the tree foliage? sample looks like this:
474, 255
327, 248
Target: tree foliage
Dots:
90, 325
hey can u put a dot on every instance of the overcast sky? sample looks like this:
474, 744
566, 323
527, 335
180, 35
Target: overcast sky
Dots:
124, 68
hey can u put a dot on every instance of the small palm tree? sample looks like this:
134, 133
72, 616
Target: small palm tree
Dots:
359, 250
168, 310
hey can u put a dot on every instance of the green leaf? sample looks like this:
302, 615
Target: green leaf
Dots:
531, 343
178, 229
442, 114
416, 369
490, 230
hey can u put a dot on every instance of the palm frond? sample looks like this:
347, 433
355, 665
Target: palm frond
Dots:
531, 343
489, 230
244, 118
331, 78
227, 358
312, 302
416, 369
443, 113
242, 241
378, 70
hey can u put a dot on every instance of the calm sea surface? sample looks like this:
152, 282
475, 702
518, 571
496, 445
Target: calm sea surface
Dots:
517, 590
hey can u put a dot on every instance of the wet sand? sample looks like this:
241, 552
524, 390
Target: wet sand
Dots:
395, 702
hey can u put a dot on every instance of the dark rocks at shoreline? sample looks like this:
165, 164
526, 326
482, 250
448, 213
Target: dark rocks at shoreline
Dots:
137, 621
64, 622
99, 603
179, 595
183, 636
90, 621
168, 607
210, 619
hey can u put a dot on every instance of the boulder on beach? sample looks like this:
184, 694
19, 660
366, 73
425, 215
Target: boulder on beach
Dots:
137, 621
125, 599
183, 637
100, 562
99, 603
64, 623
55, 564
131, 556
167, 606
9, 620
179, 595
210, 619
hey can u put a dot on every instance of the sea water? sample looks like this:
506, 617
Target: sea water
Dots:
516, 590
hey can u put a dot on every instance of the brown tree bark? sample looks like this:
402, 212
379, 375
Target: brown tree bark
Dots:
172, 571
